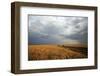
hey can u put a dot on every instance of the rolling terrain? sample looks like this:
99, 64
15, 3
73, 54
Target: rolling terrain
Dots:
51, 52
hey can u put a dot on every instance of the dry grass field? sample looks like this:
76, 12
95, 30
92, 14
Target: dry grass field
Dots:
51, 52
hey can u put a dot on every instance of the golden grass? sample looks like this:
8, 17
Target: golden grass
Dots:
49, 52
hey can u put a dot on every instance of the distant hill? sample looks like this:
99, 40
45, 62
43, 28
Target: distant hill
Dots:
75, 45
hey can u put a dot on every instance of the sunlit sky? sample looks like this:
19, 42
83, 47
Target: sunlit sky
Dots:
57, 29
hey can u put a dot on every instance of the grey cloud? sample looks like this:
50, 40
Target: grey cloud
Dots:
57, 29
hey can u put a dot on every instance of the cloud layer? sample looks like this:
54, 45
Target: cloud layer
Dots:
57, 29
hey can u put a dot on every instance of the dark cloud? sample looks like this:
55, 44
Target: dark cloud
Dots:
57, 29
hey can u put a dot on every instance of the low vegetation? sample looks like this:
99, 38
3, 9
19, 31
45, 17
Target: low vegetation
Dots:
51, 52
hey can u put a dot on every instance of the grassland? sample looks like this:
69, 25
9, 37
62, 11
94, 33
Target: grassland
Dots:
51, 52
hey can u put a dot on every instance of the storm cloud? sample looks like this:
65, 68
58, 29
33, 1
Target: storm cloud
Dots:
57, 29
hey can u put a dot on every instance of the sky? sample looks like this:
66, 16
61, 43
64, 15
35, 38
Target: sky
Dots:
57, 29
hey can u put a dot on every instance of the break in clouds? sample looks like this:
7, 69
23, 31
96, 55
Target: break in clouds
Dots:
57, 29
